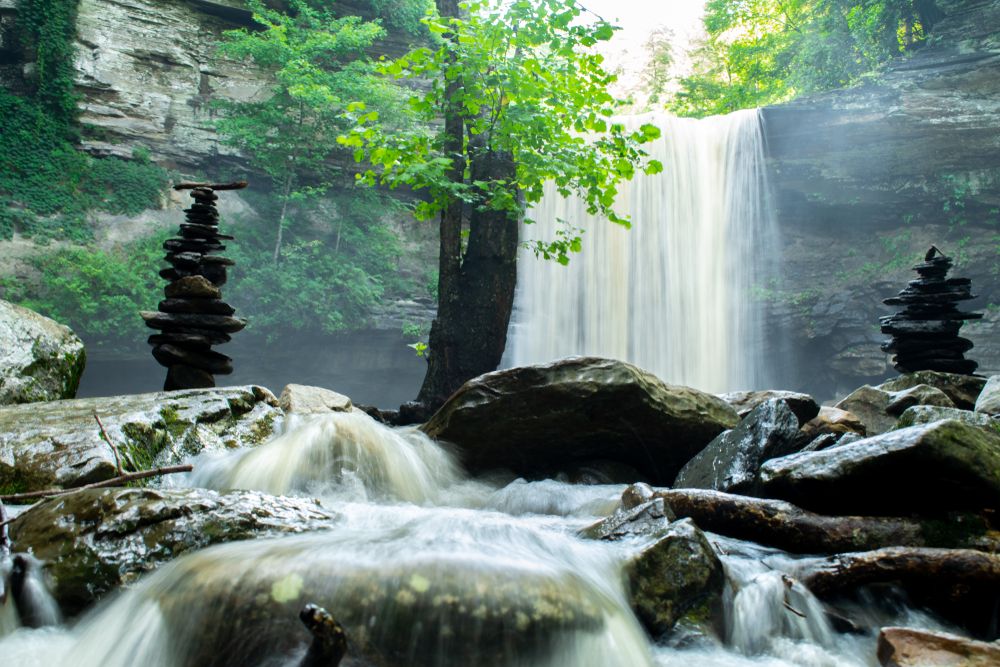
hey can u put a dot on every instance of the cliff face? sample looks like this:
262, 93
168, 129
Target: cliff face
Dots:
867, 178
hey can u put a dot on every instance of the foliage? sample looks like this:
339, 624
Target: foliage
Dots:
405, 15
760, 52
98, 293
47, 185
528, 83
656, 72
317, 61
48, 28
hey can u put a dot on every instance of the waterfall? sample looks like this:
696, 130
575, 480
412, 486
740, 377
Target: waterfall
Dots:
675, 294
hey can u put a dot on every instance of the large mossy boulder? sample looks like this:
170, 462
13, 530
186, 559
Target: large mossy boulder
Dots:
535, 420
925, 414
961, 389
929, 468
40, 359
730, 462
446, 610
879, 408
95, 540
59, 443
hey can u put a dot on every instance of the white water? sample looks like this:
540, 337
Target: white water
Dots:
674, 294
445, 572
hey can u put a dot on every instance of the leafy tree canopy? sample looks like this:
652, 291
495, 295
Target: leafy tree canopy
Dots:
759, 52
527, 81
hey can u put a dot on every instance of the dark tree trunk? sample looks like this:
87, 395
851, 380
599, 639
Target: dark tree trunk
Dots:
469, 335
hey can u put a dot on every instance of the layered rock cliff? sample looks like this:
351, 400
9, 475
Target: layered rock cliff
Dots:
866, 178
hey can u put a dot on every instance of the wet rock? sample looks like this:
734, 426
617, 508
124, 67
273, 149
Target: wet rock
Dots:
412, 611
538, 419
933, 468
96, 540
676, 575
305, 400
804, 406
192, 287
831, 420
59, 443
730, 462
636, 495
925, 414
988, 402
822, 442
908, 647
40, 359
649, 518
961, 389
879, 409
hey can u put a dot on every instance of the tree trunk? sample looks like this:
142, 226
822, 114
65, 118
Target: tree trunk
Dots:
281, 218
782, 525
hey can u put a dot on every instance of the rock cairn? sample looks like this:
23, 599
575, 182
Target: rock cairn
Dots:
925, 332
193, 317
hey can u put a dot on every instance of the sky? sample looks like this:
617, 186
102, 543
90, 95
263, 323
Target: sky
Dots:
638, 18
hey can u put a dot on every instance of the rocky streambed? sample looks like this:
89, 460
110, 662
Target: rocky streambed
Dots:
576, 513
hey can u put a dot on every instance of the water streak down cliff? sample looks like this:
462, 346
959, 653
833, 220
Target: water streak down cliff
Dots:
674, 294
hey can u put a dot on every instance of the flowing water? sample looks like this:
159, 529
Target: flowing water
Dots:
675, 294
425, 567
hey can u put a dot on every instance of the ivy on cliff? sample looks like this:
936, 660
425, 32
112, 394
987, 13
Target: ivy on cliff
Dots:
48, 29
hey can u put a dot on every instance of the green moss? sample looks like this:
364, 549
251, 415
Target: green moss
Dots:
953, 532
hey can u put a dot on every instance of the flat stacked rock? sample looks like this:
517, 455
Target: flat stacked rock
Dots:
925, 333
193, 317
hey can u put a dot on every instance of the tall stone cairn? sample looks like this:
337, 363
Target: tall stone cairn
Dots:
193, 317
925, 332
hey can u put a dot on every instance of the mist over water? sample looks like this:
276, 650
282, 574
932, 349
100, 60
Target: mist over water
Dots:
675, 293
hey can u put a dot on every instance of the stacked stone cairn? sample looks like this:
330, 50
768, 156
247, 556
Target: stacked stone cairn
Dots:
193, 317
925, 332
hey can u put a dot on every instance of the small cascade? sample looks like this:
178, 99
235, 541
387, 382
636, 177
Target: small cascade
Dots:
675, 294
25, 601
342, 454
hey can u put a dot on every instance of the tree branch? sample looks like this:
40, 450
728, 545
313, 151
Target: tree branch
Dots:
114, 481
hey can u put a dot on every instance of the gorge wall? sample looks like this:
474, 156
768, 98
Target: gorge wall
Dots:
866, 178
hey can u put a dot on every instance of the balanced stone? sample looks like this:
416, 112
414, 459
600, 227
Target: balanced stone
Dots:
925, 332
193, 316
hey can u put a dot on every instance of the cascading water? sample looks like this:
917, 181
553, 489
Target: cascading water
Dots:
444, 571
675, 293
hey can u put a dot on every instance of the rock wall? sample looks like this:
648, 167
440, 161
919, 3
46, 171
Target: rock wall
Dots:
866, 178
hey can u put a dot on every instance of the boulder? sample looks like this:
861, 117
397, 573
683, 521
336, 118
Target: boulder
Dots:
538, 419
304, 400
908, 647
676, 575
411, 611
932, 468
95, 540
925, 414
649, 518
988, 402
831, 420
879, 409
40, 359
804, 406
961, 389
59, 443
730, 462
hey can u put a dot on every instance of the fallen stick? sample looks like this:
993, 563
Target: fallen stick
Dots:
118, 461
777, 523
187, 185
114, 481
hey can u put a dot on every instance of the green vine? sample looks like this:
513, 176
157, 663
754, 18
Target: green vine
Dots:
48, 29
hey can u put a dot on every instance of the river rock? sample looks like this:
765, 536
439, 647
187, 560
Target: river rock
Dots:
988, 402
415, 611
649, 518
961, 389
831, 420
925, 414
96, 540
730, 462
305, 400
59, 443
879, 409
40, 359
908, 647
677, 575
934, 468
538, 419
804, 406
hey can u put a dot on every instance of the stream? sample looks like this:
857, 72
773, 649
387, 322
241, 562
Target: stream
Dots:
515, 585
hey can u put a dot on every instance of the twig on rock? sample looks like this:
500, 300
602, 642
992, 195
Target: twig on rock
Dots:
114, 481
118, 461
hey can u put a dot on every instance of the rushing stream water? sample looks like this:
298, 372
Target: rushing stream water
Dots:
514, 583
